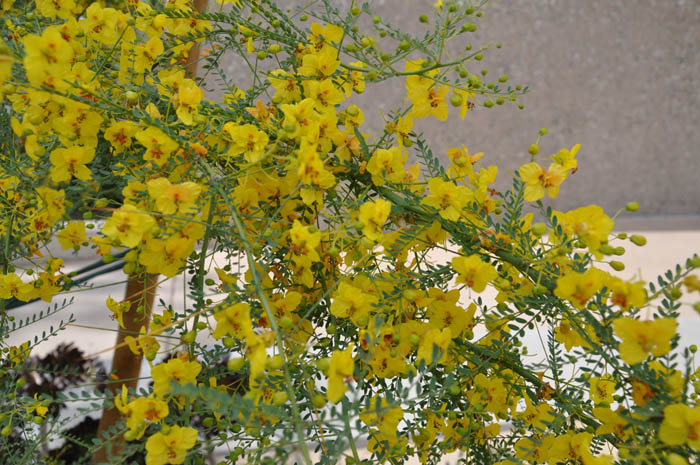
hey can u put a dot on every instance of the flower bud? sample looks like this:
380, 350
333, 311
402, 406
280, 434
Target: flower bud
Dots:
235, 363
280, 398
617, 266
456, 100
539, 229
533, 149
423, 18
274, 363
632, 207
638, 239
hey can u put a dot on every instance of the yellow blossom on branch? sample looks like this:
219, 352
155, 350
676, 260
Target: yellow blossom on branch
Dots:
642, 338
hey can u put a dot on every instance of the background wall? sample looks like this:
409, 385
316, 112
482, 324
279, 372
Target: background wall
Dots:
620, 77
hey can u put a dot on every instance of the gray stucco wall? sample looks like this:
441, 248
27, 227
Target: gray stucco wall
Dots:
619, 77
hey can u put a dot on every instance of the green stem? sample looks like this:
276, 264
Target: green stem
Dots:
270, 316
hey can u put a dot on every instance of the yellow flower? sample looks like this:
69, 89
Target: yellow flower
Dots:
187, 101
427, 97
589, 224
578, 288
72, 235
342, 367
118, 309
177, 370
12, 285
602, 389
70, 162
681, 426
120, 134
566, 159
537, 415
641, 338
170, 448
48, 58
234, 321
612, 423
351, 302
128, 225
538, 181
434, 338
373, 215
145, 55
248, 140
166, 256
159, 146
387, 165
448, 198
474, 272
51, 9
627, 294
172, 198
462, 162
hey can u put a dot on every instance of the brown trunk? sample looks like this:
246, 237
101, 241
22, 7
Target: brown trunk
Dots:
140, 291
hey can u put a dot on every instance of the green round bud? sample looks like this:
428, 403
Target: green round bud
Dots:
6, 431
323, 364
201, 325
503, 78
676, 293
539, 229
351, 48
469, 27
303, 18
619, 250
423, 18
638, 240
274, 363
500, 101
274, 49
228, 342
318, 401
262, 54
376, 19
617, 266
189, 337
21, 383
404, 45
286, 321
456, 100
543, 131
355, 11
632, 206
131, 96
334, 251
479, 56
414, 339
366, 42
693, 348
533, 150
469, 11
454, 389
208, 422
235, 364
37, 420
607, 249
488, 104
331, 329
539, 290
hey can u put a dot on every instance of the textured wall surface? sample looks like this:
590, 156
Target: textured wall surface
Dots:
620, 77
